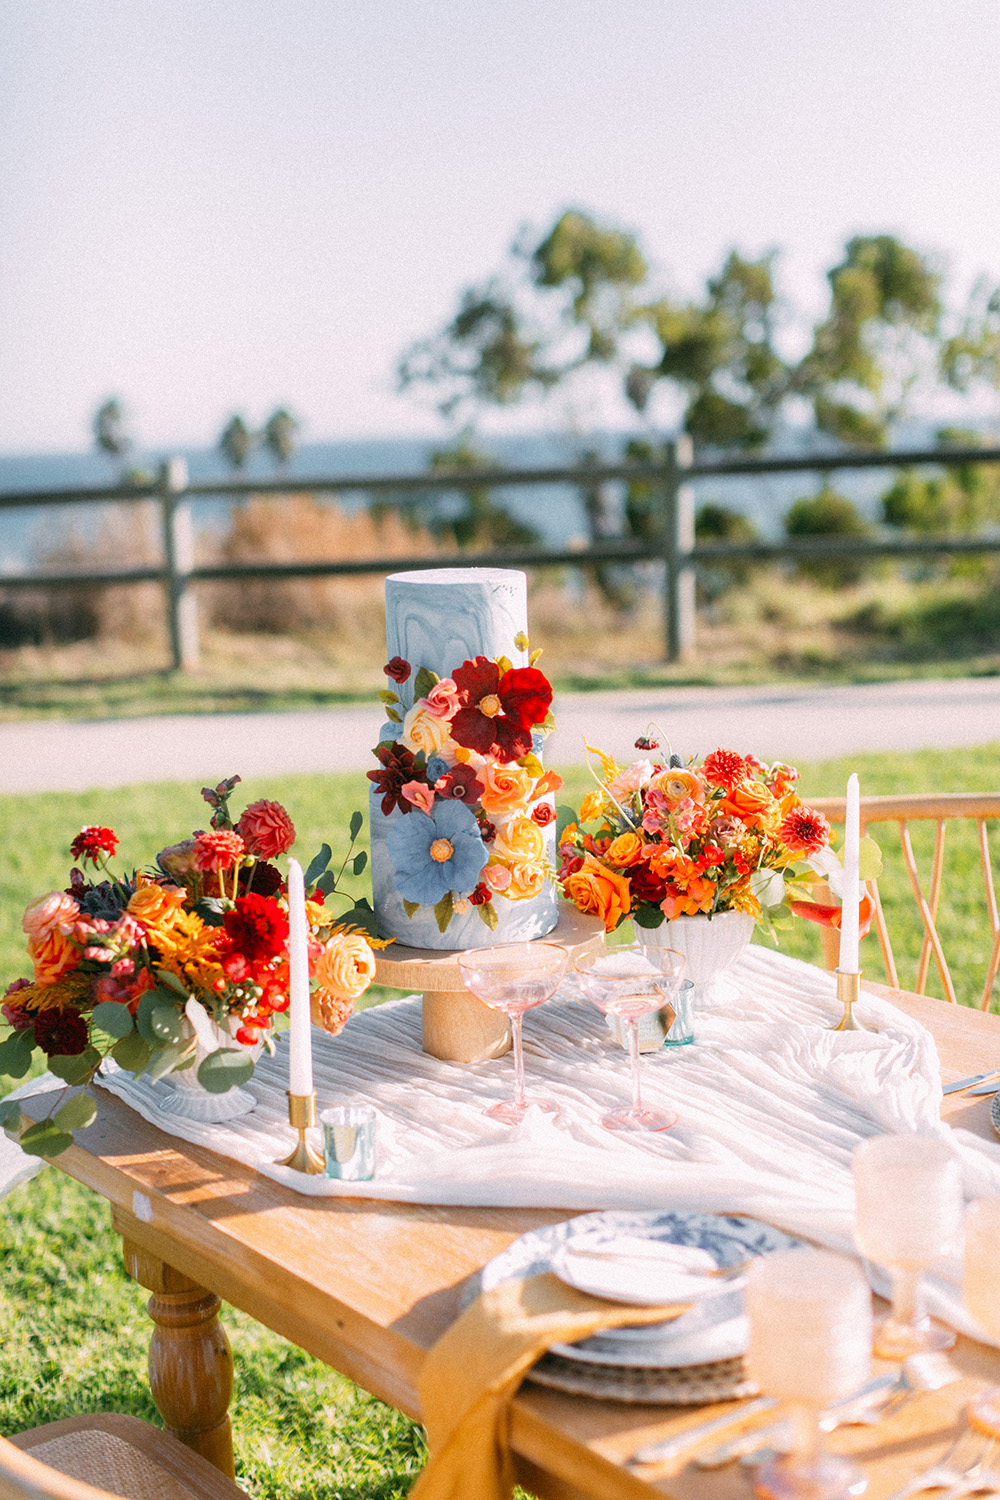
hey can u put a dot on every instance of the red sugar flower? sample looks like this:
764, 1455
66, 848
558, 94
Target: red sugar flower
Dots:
217, 850
543, 814
804, 831
481, 895
725, 768
398, 669
462, 783
397, 768
93, 841
497, 712
266, 830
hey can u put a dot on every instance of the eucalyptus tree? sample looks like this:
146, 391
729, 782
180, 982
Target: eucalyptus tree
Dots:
236, 442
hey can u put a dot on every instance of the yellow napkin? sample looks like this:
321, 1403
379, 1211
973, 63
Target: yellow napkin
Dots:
472, 1372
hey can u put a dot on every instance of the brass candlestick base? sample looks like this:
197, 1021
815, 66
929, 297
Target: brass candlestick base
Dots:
302, 1114
848, 991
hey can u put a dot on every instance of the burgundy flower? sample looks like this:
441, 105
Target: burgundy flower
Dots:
487, 830
460, 782
265, 879
497, 712
481, 895
16, 1015
571, 863
61, 1033
257, 928
642, 743
398, 669
397, 767
93, 841
543, 813
644, 885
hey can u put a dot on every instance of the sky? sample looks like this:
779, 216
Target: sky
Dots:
235, 205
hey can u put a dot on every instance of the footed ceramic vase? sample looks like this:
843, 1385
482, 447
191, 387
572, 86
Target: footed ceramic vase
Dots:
711, 946
184, 1096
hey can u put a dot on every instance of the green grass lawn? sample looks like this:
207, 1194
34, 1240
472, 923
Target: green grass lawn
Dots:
73, 1332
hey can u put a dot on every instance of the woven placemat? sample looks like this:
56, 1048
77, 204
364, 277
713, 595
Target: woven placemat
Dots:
695, 1385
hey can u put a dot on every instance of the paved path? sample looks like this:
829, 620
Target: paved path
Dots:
775, 722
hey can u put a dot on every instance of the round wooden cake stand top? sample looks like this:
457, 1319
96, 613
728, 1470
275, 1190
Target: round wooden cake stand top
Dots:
456, 1026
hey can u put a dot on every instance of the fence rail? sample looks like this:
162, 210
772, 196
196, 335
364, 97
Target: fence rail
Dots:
673, 543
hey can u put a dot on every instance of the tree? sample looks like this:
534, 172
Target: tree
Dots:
971, 356
831, 515
279, 434
110, 429
236, 442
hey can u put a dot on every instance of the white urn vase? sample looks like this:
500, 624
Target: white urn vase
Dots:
711, 946
183, 1095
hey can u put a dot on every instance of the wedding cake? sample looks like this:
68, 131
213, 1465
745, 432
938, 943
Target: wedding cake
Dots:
462, 816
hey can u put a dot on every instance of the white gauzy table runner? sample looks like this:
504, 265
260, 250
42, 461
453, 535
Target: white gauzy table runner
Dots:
770, 1102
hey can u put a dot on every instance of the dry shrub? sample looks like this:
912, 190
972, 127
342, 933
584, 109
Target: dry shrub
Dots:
302, 528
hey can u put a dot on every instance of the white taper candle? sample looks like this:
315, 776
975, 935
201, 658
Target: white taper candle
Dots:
849, 920
300, 1036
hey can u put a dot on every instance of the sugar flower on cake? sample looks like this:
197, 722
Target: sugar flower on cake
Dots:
436, 853
182, 964
655, 841
498, 710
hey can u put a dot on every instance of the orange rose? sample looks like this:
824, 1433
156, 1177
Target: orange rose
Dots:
751, 801
151, 903
592, 888
346, 966
506, 789
54, 956
626, 849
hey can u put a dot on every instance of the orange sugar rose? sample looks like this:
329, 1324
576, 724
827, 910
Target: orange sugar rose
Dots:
592, 888
506, 789
526, 880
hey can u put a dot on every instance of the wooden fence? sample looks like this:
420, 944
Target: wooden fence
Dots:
673, 543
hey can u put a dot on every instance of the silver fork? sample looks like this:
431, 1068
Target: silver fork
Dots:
965, 1460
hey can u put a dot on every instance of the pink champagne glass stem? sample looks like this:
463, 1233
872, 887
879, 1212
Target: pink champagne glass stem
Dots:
633, 1052
515, 1031
907, 1298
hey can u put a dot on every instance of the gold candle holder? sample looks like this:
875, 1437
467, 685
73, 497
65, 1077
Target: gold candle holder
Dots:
848, 992
301, 1115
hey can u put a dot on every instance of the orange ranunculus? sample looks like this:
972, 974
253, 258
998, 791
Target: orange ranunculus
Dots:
506, 788
595, 889
151, 902
675, 784
626, 849
346, 966
754, 803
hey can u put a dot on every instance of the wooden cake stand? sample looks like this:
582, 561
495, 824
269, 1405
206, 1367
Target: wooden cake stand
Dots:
456, 1026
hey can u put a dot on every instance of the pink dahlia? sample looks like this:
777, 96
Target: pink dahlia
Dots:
266, 830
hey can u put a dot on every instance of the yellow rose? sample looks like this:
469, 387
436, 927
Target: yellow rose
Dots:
592, 806
526, 880
424, 731
506, 788
346, 966
521, 840
592, 888
626, 849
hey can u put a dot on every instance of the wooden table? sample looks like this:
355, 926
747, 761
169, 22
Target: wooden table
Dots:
368, 1287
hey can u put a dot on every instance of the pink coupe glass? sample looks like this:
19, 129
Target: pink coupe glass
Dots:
515, 977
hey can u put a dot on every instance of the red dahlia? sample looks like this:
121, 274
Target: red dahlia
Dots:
257, 928
725, 768
218, 850
496, 713
92, 841
804, 831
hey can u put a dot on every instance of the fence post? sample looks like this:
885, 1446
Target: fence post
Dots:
677, 539
178, 546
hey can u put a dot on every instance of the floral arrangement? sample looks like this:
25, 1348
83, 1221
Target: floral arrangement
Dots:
672, 840
152, 968
464, 771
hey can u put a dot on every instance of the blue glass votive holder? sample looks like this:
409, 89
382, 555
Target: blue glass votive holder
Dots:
681, 1031
349, 1141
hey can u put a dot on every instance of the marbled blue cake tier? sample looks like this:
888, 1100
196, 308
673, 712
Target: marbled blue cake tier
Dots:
438, 619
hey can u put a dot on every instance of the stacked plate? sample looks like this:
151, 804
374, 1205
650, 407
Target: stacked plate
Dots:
647, 1259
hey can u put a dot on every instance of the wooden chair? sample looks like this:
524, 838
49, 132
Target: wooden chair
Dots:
107, 1457
940, 810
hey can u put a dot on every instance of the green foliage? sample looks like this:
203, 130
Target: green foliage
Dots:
718, 523
962, 499
971, 356
827, 514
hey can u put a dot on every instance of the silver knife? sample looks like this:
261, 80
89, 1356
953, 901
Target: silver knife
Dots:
986, 1088
671, 1447
968, 1083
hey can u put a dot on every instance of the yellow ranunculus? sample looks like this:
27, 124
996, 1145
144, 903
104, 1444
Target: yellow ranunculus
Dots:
346, 966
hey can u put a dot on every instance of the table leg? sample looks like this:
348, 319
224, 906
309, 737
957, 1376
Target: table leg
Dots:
190, 1361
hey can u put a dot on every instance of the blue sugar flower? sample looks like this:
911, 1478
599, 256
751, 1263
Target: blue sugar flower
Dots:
437, 853
437, 767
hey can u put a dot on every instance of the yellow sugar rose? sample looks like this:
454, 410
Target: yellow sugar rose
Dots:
422, 730
521, 841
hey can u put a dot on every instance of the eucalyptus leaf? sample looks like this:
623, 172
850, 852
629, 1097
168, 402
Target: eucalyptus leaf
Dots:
170, 981
132, 1053
487, 914
225, 1069
113, 1018
76, 1114
647, 916
564, 817
10, 1114
359, 861
317, 865
357, 823
327, 883
424, 682
167, 1059
45, 1139
165, 1024
75, 1069
363, 917
15, 1053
